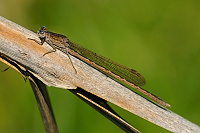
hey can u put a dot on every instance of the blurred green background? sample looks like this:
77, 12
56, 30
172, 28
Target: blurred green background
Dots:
160, 39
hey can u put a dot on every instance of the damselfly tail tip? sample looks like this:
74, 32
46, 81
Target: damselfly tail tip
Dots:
165, 104
168, 105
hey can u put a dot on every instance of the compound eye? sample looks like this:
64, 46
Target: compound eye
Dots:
41, 32
43, 28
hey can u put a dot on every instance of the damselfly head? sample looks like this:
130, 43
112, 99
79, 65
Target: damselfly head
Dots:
42, 31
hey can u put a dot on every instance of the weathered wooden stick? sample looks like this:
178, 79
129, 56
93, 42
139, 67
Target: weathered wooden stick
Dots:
56, 70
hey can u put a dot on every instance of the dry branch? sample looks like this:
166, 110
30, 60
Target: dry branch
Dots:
56, 70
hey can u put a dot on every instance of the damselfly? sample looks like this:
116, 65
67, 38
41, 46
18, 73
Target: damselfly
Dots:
124, 74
